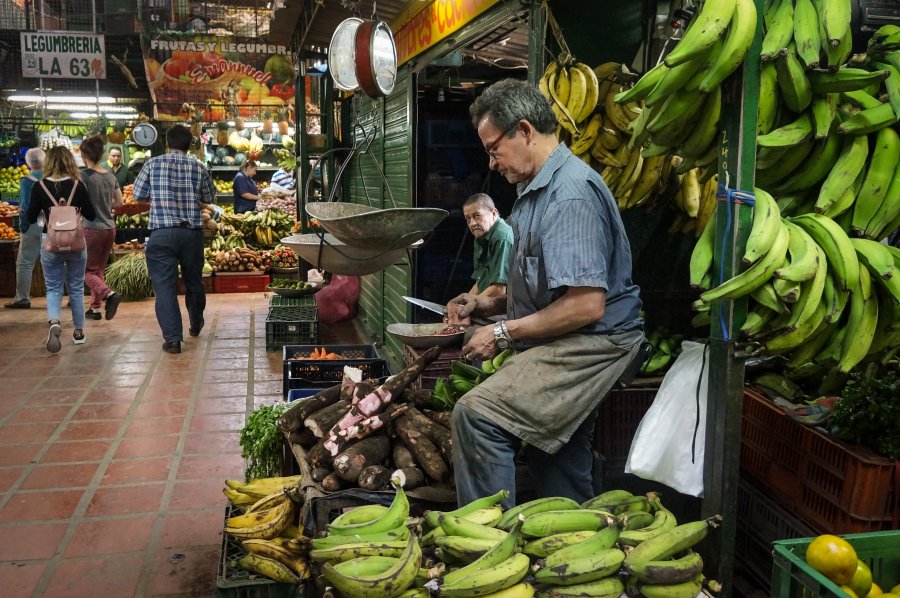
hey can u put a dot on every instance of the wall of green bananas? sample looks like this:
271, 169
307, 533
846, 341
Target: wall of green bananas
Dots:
823, 291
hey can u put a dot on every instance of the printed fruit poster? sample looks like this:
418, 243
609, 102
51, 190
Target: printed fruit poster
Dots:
218, 77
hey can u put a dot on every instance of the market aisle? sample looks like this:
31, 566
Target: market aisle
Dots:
113, 453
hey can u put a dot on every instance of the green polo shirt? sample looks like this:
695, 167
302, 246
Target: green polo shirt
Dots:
123, 177
492, 253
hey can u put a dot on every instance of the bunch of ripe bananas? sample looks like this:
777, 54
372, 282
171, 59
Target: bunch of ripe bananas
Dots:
481, 550
262, 229
275, 547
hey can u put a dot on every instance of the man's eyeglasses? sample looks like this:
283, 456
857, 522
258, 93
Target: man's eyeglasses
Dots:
492, 146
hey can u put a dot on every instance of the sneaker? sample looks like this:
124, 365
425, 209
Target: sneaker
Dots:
20, 304
93, 315
53, 344
78, 337
112, 304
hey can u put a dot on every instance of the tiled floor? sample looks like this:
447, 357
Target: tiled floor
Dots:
113, 453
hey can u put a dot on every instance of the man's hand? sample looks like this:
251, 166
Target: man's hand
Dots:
460, 308
481, 345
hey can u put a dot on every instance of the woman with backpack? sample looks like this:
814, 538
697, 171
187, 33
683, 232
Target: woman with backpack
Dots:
63, 252
99, 235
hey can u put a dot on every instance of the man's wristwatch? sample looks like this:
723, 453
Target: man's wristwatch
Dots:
501, 336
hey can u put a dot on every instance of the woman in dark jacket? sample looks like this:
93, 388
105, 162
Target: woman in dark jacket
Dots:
61, 269
246, 193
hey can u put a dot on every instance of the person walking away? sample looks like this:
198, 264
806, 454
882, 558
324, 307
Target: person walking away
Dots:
177, 187
99, 235
246, 193
114, 165
573, 312
493, 244
30, 236
60, 182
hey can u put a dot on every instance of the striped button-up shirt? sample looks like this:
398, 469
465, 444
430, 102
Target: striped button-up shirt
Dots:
567, 233
174, 184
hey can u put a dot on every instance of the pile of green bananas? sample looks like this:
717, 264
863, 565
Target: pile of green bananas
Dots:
275, 548
666, 347
141, 220
464, 377
262, 229
220, 243
825, 301
564, 548
286, 159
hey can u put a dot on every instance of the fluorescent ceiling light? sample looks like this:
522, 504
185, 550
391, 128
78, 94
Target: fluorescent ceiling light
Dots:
67, 99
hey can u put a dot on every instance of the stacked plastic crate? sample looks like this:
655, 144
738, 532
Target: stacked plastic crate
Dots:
291, 321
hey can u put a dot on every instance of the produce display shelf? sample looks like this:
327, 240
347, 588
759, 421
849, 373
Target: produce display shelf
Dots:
132, 234
291, 325
240, 282
829, 484
234, 582
792, 577
300, 372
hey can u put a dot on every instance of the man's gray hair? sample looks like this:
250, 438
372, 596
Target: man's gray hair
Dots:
482, 199
34, 158
509, 101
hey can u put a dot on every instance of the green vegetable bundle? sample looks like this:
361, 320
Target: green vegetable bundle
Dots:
129, 277
261, 441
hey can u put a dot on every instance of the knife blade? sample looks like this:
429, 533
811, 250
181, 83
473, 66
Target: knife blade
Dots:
429, 305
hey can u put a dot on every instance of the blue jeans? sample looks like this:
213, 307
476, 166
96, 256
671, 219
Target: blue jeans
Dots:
29, 252
166, 249
484, 460
64, 271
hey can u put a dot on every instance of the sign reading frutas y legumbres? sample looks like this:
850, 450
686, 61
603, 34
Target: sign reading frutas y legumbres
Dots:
224, 77
63, 55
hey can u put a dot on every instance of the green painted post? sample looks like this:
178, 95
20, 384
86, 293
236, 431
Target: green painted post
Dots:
737, 165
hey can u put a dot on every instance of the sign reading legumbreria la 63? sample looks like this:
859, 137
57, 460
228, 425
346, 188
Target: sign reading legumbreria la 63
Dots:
63, 55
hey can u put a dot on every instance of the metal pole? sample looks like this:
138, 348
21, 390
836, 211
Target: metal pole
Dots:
737, 164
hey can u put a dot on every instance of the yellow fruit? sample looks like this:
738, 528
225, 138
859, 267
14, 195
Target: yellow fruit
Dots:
875, 591
849, 592
894, 590
861, 582
833, 557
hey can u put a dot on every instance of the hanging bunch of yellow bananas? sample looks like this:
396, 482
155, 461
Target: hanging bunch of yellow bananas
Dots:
599, 131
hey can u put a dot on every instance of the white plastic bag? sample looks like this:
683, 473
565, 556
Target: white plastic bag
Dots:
665, 448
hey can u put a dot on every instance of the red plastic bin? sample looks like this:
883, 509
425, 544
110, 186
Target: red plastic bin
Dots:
617, 421
439, 368
240, 283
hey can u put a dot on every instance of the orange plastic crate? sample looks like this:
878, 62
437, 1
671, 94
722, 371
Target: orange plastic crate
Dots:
828, 483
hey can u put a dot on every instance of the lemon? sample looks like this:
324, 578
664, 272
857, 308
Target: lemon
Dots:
833, 557
875, 591
861, 582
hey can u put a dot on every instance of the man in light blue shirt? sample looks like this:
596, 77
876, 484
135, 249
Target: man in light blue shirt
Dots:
573, 311
30, 238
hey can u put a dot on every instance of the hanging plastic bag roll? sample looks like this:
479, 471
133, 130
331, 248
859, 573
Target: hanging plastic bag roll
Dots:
668, 446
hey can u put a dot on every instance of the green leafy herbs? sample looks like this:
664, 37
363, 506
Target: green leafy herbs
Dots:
868, 412
261, 441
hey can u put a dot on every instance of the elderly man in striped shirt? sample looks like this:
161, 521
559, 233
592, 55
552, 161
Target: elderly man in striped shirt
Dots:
573, 313
177, 186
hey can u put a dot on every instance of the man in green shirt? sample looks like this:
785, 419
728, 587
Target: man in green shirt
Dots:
493, 243
115, 166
